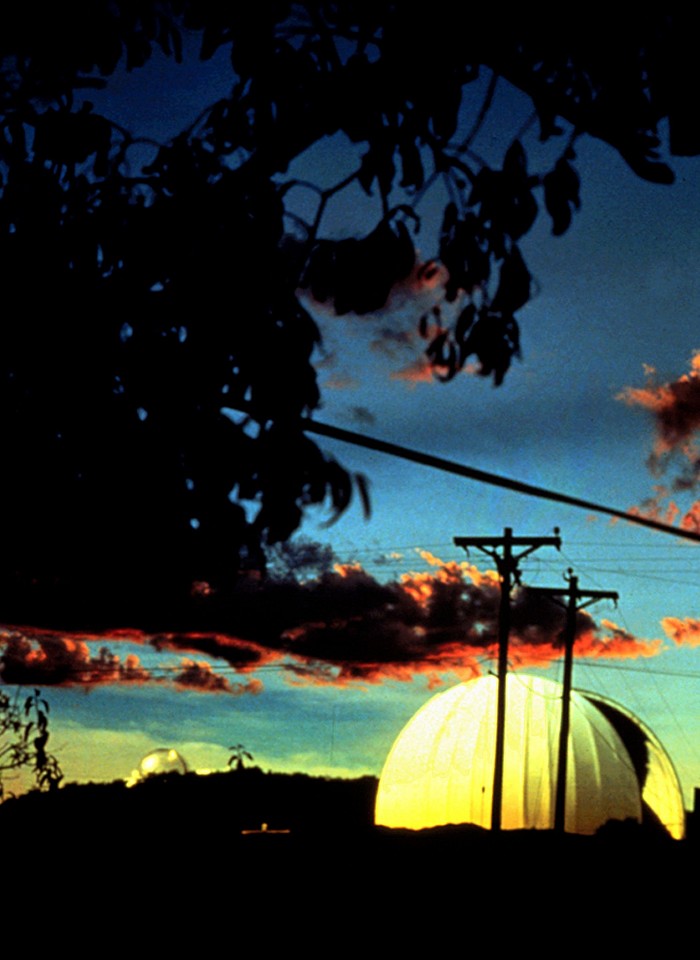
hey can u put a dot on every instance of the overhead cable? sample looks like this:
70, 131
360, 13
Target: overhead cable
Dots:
484, 476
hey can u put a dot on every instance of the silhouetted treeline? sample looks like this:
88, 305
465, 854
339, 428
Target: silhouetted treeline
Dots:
236, 804
233, 801
170, 854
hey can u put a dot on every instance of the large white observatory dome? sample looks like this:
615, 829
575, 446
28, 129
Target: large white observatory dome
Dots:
440, 768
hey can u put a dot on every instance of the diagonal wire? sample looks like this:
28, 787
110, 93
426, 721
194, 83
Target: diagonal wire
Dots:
483, 476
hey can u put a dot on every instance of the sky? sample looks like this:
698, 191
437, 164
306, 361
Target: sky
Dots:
604, 406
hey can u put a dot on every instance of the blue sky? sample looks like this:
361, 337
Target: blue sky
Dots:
620, 291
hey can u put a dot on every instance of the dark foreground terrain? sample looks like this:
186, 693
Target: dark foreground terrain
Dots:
173, 847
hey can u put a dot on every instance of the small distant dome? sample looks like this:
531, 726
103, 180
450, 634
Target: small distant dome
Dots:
440, 768
162, 760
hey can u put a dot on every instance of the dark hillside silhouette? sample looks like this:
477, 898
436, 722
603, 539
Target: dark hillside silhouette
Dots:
142, 296
240, 799
176, 840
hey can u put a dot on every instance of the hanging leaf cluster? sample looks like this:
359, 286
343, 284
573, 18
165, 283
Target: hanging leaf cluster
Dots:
487, 273
357, 276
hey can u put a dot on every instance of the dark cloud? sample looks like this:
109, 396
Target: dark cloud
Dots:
244, 655
46, 660
341, 626
199, 675
347, 627
419, 371
675, 407
676, 410
299, 559
363, 416
419, 291
384, 559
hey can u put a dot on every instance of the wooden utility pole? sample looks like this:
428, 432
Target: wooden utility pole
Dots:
573, 605
507, 566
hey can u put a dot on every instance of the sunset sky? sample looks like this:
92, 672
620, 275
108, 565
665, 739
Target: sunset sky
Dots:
320, 677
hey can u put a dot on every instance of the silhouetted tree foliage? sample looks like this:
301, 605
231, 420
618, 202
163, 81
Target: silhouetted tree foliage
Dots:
239, 755
24, 735
142, 296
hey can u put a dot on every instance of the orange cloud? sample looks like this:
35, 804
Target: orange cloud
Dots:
451, 569
676, 409
47, 659
691, 519
444, 621
420, 371
683, 632
654, 507
199, 675
342, 626
606, 641
616, 643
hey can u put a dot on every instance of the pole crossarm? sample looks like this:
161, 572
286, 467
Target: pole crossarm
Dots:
507, 562
532, 542
591, 596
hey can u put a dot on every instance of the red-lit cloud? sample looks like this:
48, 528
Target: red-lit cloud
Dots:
394, 327
46, 659
614, 642
444, 620
50, 659
423, 371
244, 655
675, 406
683, 632
691, 518
199, 675
420, 371
341, 626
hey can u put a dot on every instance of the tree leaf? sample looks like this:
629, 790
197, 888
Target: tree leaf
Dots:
513, 286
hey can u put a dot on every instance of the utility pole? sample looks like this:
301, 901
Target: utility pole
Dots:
572, 607
507, 566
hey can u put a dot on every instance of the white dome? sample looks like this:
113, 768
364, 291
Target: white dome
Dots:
440, 768
162, 760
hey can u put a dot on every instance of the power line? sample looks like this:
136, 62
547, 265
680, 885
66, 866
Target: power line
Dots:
483, 476
596, 664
